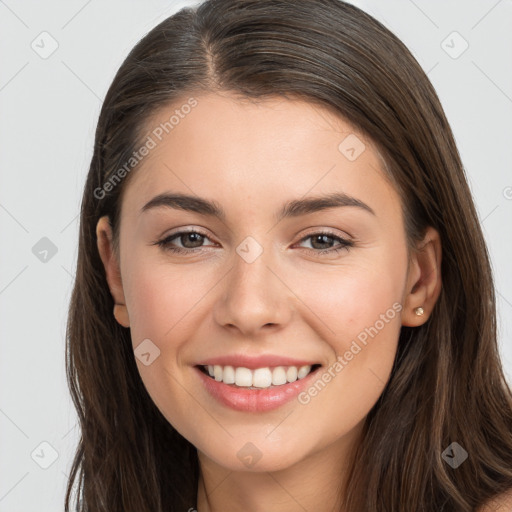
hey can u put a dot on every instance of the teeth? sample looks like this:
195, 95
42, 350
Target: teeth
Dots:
303, 371
258, 378
228, 375
279, 376
291, 374
243, 376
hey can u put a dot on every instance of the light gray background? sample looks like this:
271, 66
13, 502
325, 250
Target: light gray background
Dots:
49, 108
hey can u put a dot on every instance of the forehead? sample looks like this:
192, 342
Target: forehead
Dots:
254, 154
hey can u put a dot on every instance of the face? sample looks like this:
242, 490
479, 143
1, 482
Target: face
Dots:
316, 284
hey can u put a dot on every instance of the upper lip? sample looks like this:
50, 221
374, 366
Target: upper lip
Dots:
253, 362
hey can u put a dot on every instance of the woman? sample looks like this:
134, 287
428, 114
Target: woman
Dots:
283, 299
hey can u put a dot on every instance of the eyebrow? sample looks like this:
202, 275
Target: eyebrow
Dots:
294, 208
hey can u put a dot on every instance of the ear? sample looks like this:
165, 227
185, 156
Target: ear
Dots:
112, 270
423, 280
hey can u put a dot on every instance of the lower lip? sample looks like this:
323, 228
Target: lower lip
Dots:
255, 400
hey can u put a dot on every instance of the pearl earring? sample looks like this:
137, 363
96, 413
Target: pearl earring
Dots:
419, 311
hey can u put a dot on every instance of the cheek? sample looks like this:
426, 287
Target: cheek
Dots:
162, 302
352, 298
159, 298
166, 303
366, 325
360, 306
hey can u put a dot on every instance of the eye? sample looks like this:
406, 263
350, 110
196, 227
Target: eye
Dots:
323, 242
191, 241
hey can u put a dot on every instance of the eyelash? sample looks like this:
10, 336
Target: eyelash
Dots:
344, 244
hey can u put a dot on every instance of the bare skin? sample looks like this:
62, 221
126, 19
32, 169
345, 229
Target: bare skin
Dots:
251, 158
502, 503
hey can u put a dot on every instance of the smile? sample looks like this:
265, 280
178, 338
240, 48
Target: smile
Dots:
246, 396
258, 378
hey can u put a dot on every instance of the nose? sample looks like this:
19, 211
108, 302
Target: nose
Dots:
253, 298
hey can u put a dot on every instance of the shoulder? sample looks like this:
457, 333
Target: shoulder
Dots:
501, 503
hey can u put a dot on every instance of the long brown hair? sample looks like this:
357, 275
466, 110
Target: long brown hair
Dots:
447, 383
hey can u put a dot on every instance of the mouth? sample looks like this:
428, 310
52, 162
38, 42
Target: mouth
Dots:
256, 390
259, 378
